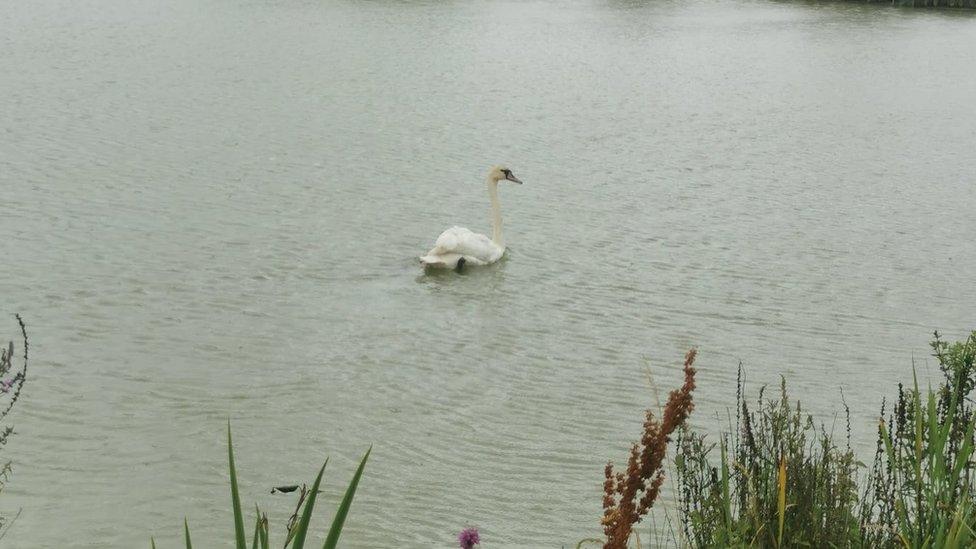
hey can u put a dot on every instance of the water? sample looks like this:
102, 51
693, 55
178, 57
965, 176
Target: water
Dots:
212, 210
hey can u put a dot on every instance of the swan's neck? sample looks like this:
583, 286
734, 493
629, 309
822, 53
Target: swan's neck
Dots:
496, 214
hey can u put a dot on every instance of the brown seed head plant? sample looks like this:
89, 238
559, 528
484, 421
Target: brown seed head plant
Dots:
629, 495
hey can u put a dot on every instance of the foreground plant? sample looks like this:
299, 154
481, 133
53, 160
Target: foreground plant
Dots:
628, 495
468, 538
11, 382
922, 487
297, 532
779, 481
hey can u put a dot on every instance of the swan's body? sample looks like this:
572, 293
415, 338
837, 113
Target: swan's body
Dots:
458, 242
458, 247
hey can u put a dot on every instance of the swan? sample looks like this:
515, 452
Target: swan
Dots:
458, 247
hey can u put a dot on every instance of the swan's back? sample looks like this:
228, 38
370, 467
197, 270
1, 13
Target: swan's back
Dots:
458, 242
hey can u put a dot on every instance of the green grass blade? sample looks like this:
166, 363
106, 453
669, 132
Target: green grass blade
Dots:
264, 533
726, 498
152, 543
340, 517
301, 529
781, 500
186, 532
963, 454
904, 532
234, 495
257, 527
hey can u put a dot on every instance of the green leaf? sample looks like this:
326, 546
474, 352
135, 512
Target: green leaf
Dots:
186, 531
340, 517
781, 501
301, 529
264, 533
726, 498
235, 496
257, 527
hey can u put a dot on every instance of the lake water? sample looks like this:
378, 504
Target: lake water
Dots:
212, 210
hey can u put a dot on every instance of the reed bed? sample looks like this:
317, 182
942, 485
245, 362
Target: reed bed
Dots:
777, 478
921, 491
779, 481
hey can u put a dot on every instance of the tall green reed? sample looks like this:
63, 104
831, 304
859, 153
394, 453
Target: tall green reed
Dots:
297, 534
921, 491
779, 481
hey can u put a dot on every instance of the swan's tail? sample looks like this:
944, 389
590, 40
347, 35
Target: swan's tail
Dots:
433, 261
448, 261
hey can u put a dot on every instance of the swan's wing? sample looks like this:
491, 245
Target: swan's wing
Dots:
461, 241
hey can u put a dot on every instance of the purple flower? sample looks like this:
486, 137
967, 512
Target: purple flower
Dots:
468, 538
6, 384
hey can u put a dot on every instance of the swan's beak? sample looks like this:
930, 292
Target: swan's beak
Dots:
511, 177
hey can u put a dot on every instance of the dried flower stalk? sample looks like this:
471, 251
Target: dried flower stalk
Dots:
629, 495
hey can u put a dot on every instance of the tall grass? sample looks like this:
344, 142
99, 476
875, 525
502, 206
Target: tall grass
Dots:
778, 479
297, 532
921, 490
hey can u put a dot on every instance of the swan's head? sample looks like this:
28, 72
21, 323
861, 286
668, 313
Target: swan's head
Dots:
499, 173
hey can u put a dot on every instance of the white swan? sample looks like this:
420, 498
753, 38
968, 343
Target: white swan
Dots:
458, 247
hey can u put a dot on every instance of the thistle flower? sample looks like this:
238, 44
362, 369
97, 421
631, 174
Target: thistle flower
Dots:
468, 538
